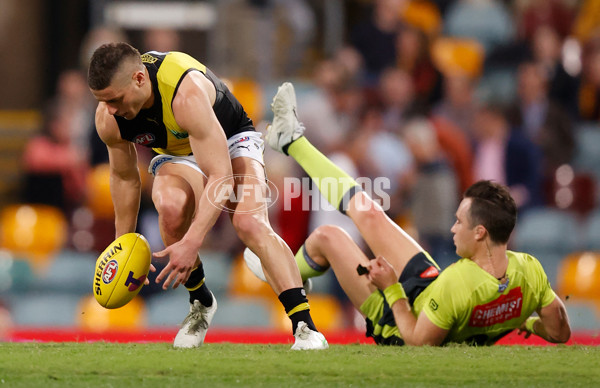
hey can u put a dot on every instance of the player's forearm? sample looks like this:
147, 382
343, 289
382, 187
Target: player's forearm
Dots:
555, 332
126, 200
210, 205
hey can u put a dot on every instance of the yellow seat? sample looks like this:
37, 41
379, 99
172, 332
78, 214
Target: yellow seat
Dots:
34, 231
95, 318
579, 276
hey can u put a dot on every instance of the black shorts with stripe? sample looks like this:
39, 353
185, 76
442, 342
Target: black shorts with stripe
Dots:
420, 272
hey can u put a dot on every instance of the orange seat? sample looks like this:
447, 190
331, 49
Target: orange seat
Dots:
458, 56
93, 317
424, 15
250, 95
579, 276
99, 199
34, 231
242, 282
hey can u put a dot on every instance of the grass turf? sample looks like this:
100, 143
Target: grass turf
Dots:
215, 365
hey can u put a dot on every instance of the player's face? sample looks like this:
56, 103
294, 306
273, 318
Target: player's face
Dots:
464, 232
125, 96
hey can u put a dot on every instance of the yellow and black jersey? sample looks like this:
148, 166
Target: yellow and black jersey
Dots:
156, 127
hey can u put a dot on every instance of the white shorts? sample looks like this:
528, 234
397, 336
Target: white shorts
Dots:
247, 144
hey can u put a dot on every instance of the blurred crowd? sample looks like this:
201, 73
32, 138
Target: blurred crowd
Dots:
431, 94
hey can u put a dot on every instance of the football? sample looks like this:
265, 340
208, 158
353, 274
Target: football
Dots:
121, 270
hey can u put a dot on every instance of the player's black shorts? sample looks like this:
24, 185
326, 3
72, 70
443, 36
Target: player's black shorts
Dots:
419, 273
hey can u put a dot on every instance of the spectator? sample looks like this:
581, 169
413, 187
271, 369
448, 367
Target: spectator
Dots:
375, 38
54, 165
412, 46
543, 121
563, 85
507, 156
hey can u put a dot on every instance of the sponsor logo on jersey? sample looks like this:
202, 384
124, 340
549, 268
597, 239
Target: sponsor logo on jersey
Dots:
144, 139
110, 271
502, 309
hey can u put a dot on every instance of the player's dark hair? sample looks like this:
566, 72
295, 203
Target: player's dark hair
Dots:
493, 207
106, 61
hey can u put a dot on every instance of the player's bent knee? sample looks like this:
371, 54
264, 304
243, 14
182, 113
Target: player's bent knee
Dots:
172, 207
370, 217
251, 228
329, 234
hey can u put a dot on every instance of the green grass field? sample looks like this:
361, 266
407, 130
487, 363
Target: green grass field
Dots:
215, 365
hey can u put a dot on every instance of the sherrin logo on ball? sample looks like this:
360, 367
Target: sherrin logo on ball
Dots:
121, 270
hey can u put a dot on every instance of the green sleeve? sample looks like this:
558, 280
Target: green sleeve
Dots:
439, 306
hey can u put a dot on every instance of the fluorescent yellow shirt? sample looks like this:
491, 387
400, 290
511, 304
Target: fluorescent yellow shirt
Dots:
466, 300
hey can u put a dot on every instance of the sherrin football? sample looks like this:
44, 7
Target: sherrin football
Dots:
121, 270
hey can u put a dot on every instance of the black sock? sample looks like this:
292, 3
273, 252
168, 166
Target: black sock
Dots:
296, 306
197, 288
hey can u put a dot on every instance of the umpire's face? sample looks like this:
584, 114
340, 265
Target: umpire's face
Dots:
465, 234
128, 93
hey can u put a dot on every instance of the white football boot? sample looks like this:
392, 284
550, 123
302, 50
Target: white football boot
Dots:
254, 265
307, 339
195, 325
285, 127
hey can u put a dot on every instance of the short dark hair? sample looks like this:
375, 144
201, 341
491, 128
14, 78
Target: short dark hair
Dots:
105, 62
493, 207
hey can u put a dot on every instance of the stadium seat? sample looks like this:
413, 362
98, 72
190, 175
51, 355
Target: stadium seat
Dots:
587, 157
246, 312
591, 232
44, 309
70, 272
549, 235
583, 315
168, 308
217, 269
458, 56
16, 275
90, 316
242, 282
99, 199
34, 231
424, 15
571, 190
579, 276
250, 94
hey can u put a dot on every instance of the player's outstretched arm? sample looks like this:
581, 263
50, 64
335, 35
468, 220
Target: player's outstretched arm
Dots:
125, 181
552, 324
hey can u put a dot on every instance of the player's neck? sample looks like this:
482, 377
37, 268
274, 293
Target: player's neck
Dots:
492, 259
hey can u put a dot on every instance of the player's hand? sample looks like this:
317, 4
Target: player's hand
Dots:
182, 258
152, 269
523, 329
381, 273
